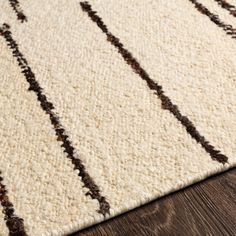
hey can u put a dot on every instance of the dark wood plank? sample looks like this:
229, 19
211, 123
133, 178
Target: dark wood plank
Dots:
206, 208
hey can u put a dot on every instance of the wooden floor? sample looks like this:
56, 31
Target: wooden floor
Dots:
207, 208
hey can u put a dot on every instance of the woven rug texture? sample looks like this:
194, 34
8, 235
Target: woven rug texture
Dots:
106, 105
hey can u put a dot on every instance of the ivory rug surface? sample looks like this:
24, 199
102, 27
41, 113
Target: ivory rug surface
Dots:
107, 105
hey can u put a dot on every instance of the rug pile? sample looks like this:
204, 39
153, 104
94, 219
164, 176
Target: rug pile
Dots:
107, 105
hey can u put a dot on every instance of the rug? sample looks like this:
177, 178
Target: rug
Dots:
107, 105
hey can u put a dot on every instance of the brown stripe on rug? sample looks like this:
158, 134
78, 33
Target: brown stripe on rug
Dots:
165, 100
17, 9
214, 18
14, 223
229, 7
48, 107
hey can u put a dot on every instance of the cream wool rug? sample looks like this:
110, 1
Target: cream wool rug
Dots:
107, 105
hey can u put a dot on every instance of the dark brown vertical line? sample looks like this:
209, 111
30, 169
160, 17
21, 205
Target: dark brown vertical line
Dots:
14, 223
215, 18
158, 91
17, 9
61, 133
229, 7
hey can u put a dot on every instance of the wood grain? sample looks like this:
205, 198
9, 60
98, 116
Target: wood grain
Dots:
206, 208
